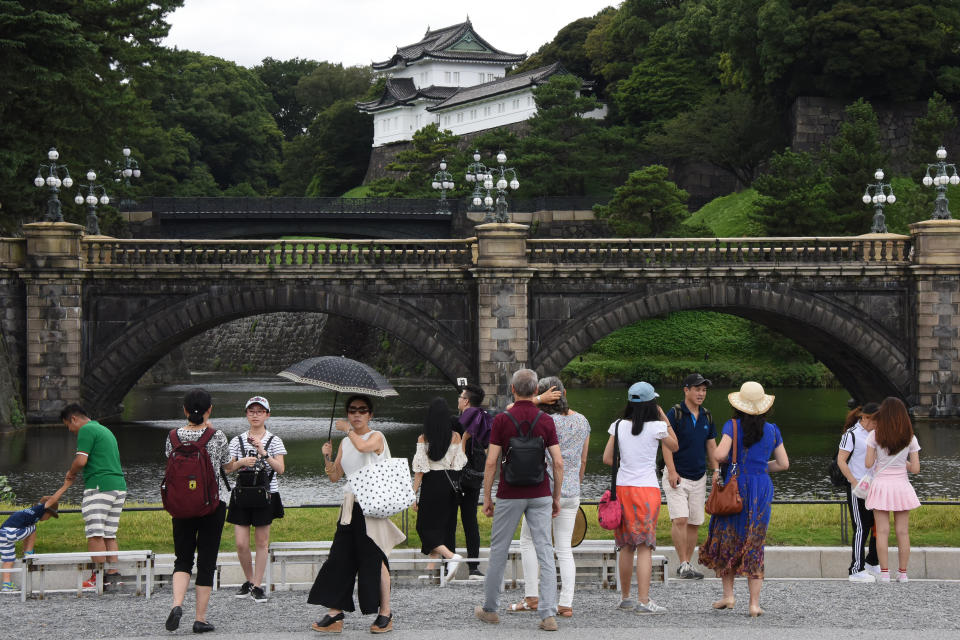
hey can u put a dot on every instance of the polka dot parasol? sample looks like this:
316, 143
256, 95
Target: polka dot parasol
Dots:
339, 374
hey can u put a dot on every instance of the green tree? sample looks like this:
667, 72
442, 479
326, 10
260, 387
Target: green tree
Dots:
331, 82
66, 68
647, 205
418, 164
226, 110
282, 77
891, 49
929, 133
731, 131
795, 197
568, 48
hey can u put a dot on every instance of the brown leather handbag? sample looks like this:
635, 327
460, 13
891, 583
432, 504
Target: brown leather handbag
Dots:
724, 497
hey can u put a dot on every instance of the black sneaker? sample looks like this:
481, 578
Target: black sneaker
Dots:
244, 590
475, 574
258, 595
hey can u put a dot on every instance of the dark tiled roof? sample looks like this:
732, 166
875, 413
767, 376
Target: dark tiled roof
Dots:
506, 84
440, 44
403, 91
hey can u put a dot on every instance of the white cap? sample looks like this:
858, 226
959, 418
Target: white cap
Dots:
258, 400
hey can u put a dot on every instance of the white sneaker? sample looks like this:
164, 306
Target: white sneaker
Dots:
862, 576
872, 568
650, 607
902, 576
452, 565
884, 576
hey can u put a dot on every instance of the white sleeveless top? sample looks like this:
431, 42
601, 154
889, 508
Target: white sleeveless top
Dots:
352, 460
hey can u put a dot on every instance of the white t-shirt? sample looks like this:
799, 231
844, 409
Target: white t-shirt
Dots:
638, 453
854, 439
276, 448
897, 461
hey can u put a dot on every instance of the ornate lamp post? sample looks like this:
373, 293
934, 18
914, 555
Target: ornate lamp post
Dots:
443, 181
477, 173
943, 177
93, 225
502, 184
879, 194
126, 169
53, 182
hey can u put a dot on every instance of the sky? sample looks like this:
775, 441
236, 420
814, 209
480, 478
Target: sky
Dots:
358, 32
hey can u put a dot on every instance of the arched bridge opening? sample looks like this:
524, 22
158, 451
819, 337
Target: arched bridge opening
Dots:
115, 362
870, 360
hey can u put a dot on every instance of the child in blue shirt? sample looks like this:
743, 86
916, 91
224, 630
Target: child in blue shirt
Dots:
22, 525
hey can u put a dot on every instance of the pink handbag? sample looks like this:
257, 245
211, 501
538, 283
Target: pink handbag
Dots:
609, 511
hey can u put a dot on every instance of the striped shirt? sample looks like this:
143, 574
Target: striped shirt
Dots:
854, 440
240, 448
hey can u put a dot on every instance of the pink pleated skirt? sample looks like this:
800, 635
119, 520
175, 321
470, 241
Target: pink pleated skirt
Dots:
892, 492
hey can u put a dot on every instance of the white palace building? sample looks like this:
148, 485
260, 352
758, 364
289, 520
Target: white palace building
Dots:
456, 79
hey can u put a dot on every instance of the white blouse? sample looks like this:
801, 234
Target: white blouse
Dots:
453, 460
351, 460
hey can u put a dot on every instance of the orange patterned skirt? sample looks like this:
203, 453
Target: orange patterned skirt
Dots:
641, 508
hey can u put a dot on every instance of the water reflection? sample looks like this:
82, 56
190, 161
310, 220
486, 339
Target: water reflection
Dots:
35, 460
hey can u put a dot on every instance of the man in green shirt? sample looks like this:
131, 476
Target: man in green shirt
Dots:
105, 489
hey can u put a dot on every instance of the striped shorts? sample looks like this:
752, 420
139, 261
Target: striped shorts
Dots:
8, 541
101, 512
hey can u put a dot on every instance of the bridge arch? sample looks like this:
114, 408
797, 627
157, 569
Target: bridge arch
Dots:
866, 359
114, 368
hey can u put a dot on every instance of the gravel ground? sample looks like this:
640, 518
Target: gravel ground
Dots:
794, 609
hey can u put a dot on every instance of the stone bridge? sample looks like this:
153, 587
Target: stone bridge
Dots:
86, 316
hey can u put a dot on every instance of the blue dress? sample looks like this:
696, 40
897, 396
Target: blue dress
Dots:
734, 543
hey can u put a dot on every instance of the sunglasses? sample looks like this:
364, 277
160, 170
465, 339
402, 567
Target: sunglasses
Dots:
360, 410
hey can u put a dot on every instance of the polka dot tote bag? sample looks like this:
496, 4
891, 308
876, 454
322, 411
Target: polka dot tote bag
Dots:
383, 488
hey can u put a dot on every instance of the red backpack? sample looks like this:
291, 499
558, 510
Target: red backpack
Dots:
189, 488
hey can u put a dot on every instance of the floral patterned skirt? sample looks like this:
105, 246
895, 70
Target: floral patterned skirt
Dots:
734, 544
641, 508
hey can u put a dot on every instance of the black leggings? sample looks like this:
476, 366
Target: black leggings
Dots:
861, 524
203, 536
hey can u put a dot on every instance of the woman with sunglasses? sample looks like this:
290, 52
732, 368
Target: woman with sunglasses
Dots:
361, 543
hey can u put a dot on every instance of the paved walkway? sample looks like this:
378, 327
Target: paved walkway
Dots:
824, 609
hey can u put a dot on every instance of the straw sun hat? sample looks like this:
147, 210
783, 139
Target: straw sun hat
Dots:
751, 399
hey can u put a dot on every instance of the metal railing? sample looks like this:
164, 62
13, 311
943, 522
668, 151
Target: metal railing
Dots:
275, 253
685, 252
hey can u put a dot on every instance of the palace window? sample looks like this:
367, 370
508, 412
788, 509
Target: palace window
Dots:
473, 114
446, 77
480, 77
460, 117
501, 107
490, 77
456, 78
486, 111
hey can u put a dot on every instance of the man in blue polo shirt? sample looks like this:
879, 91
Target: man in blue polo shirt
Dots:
684, 473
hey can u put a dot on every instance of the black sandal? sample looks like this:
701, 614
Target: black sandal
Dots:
382, 624
329, 623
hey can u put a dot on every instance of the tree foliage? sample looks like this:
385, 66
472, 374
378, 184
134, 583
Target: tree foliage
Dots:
282, 78
647, 205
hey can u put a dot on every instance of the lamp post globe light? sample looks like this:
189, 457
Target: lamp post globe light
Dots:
501, 184
125, 169
879, 194
478, 174
944, 174
443, 182
92, 199
53, 181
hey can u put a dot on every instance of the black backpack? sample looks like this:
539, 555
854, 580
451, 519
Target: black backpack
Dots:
471, 477
524, 460
836, 476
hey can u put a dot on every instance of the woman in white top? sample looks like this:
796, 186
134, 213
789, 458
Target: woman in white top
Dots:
361, 543
850, 459
638, 434
436, 467
260, 451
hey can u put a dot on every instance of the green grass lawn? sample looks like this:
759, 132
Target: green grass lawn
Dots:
791, 525
727, 216
357, 192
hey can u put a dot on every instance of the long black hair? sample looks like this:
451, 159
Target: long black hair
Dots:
437, 430
751, 427
196, 402
639, 413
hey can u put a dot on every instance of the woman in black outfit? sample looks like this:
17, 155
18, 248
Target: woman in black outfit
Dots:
200, 535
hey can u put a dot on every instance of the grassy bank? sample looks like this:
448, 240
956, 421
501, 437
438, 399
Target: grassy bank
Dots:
791, 525
727, 349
